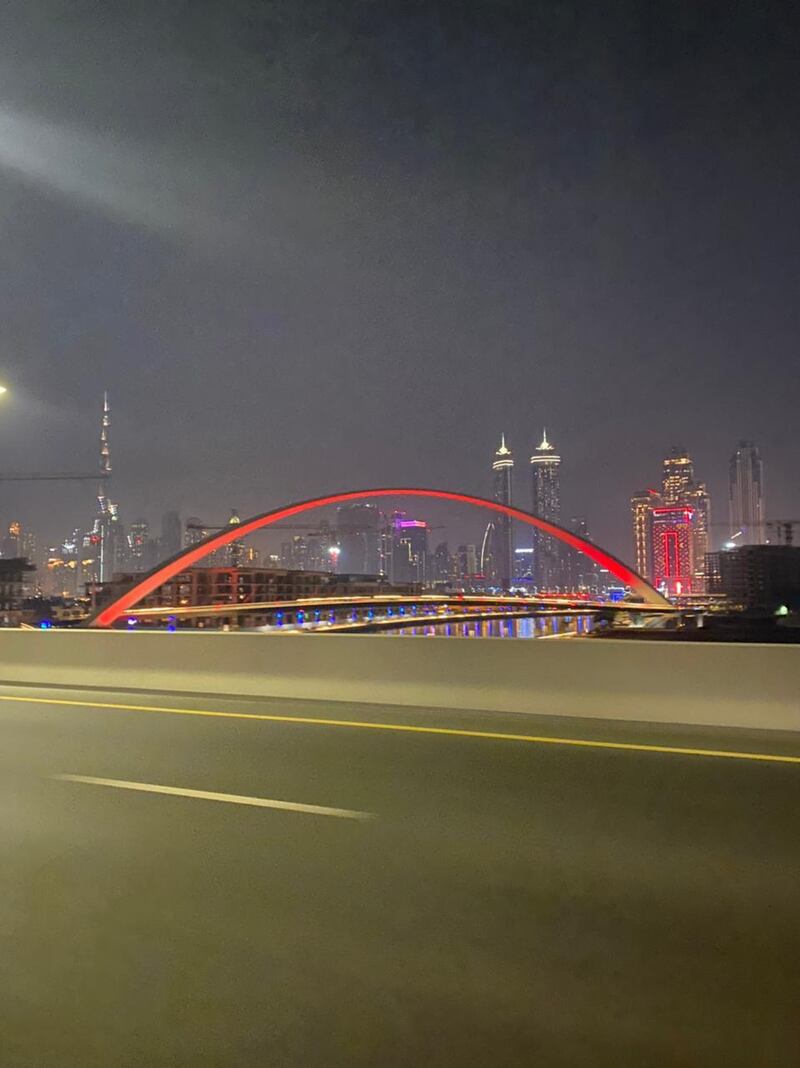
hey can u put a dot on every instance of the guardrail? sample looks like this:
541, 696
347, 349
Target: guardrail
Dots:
739, 685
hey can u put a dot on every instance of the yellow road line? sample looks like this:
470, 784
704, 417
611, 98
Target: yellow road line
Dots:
210, 795
408, 728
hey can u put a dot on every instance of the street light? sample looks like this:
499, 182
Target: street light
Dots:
3, 389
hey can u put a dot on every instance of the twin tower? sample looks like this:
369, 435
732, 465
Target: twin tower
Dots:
547, 565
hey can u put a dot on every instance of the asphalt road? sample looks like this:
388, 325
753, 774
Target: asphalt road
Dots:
453, 899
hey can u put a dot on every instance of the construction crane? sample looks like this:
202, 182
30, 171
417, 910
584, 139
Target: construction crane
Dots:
98, 476
309, 529
781, 529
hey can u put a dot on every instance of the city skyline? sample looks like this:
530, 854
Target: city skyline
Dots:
609, 517
134, 544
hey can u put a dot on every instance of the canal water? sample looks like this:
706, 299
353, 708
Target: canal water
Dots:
534, 627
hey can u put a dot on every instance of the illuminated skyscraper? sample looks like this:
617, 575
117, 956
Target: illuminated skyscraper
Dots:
409, 549
680, 488
105, 450
114, 543
138, 537
746, 495
673, 549
195, 531
466, 565
662, 523
503, 540
581, 573
107, 529
546, 502
697, 496
234, 551
103, 519
678, 474
642, 505
11, 544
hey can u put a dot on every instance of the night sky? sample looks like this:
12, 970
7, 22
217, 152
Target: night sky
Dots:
322, 244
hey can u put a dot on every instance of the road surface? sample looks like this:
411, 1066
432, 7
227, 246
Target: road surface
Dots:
261, 888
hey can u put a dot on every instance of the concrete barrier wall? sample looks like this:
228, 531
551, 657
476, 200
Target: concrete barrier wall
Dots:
724, 684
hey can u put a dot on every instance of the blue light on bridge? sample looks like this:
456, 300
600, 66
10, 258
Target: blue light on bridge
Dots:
45, 625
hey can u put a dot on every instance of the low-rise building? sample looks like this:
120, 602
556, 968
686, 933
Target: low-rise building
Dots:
199, 586
757, 576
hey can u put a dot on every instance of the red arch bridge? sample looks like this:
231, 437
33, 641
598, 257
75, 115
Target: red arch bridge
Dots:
646, 597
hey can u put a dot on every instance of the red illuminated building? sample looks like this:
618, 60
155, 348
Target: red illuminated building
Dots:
660, 550
673, 549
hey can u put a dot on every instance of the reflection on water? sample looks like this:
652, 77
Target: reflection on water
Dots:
535, 627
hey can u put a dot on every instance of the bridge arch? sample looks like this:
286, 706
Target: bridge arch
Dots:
109, 614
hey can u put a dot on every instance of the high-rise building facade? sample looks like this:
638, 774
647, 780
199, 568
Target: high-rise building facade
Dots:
143, 552
697, 497
546, 502
582, 574
11, 545
409, 550
171, 535
466, 565
19, 543
503, 539
234, 552
113, 543
642, 504
441, 565
358, 539
673, 549
107, 529
138, 537
662, 522
746, 495
322, 548
195, 531
680, 487
678, 475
